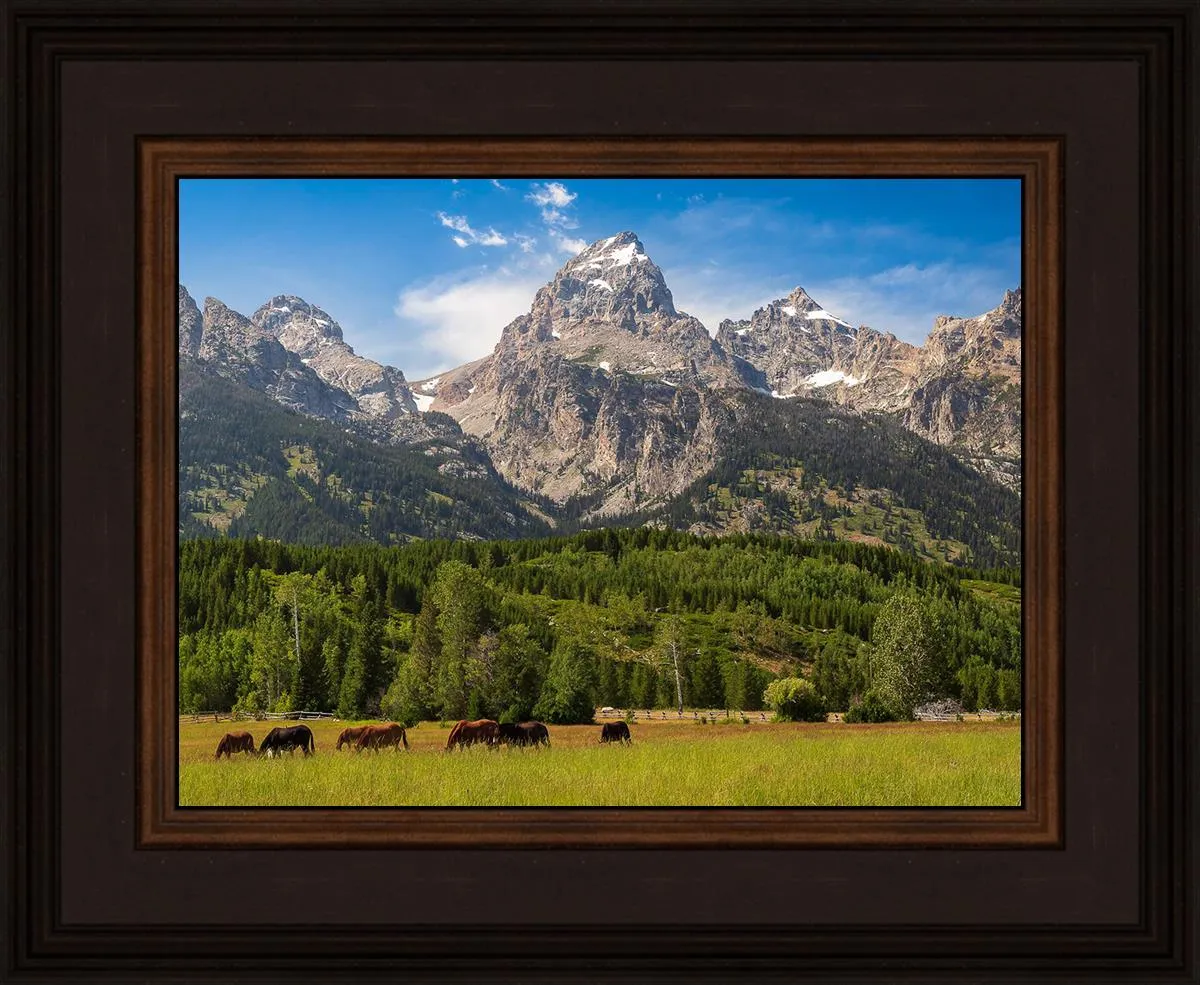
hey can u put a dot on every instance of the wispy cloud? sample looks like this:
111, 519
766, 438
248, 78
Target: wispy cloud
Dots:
712, 294
496, 183
905, 299
468, 236
569, 245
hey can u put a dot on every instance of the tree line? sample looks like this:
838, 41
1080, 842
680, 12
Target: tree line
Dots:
552, 627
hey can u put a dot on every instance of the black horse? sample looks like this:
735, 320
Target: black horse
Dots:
525, 734
615, 732
281, 740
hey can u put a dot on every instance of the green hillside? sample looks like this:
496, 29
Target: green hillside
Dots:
249, 467
557, 626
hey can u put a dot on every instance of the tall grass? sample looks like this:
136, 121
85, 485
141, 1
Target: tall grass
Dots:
917, 765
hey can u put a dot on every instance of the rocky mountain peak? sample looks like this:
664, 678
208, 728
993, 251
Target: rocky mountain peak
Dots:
223, 327
613, 280
609, 308
793, 345
191, 323
303, 328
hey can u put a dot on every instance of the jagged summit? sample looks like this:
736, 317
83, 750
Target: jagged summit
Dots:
793, 346
604, 387
294, 351
613, 280
794, 311
609, 308
610, 255
301, 327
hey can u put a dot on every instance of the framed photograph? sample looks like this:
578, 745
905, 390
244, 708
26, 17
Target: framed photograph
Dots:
634, 580
723, 483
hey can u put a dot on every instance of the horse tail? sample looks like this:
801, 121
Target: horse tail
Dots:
403, 737
453, 737
312, 739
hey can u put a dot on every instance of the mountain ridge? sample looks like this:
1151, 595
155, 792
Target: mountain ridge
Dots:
605, 394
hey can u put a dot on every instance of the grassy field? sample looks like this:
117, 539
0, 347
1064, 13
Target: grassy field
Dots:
670, 763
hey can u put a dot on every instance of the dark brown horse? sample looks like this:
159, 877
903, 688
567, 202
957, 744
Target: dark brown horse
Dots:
281, 740
381, 737
525, 734
468, 733
349, 736
235, 742
615, 732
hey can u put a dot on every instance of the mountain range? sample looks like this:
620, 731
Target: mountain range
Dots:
606, 405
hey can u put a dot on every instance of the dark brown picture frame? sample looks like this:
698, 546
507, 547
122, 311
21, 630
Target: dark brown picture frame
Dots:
1037, 821
1106, 890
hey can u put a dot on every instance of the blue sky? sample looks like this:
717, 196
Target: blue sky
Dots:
423, 274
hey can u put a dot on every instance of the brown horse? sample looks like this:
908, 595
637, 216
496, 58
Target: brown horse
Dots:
468, 733
381, 737
280, 740
235, 742
349, 736
614, 732
525, 734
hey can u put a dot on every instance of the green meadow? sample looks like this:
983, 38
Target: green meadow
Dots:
676, 763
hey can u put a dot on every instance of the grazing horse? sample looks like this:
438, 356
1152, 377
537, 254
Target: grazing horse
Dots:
468, 733
235, 742
349, 736
281, 740
381, 736
615, 732
525, 734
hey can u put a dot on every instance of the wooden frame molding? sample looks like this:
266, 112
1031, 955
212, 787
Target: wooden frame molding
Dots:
1038, 823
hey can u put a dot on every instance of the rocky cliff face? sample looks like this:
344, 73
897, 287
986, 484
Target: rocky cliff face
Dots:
295, 353
968, 391
610, 308
602, 389
605, 390
235, 348
792, 346
380, 393
961, 389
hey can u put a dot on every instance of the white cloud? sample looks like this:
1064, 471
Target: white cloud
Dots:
456, 222
552, 193
552, 198
497, 184
470, 236
451, 321
526, 243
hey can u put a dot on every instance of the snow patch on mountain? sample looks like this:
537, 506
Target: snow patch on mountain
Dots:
820, 314
830, 376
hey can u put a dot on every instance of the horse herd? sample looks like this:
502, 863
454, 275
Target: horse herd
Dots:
392, 735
